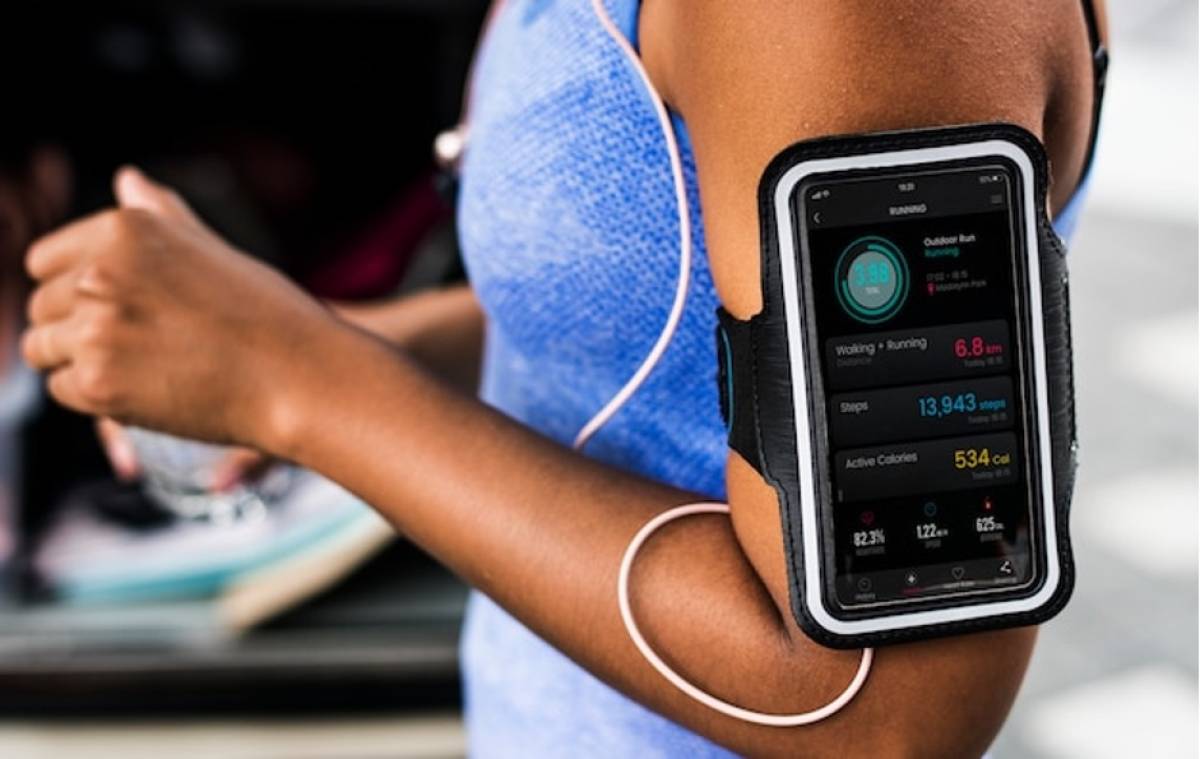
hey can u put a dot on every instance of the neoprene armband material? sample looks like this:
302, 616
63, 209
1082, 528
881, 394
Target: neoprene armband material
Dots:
756, 387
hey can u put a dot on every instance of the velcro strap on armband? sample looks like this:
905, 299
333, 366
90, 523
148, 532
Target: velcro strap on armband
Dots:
736, 380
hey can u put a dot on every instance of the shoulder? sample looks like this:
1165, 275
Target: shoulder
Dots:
756, 76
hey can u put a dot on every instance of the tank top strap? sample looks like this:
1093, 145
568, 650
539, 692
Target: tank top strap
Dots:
624, 13
1099, 79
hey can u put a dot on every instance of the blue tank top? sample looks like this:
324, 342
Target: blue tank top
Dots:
569, 233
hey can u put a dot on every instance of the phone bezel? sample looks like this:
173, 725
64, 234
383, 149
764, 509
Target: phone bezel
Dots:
822, 609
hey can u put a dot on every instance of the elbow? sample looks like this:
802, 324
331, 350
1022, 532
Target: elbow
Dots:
936, 741
943, 699
949, 698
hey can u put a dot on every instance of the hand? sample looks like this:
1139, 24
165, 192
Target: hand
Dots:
144, 315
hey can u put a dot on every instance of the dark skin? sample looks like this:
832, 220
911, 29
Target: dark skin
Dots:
441, 329
146, 316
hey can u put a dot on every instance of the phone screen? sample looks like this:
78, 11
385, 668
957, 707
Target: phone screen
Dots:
912, 284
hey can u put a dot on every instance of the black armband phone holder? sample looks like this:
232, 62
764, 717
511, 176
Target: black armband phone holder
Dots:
923, 453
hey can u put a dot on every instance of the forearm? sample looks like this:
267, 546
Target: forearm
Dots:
441, 329
234, 352
542, 529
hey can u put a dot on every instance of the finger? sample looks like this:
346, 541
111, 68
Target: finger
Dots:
53, 300
239, 465
48, 346
63, 387
135, 190
119, 449
63, 248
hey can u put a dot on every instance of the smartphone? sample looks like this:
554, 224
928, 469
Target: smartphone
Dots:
913, 305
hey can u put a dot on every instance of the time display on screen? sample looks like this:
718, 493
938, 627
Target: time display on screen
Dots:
912, 286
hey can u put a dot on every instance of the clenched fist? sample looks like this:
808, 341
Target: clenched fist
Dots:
143, 314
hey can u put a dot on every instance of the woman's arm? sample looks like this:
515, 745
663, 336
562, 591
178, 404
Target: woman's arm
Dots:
146, 316
441, 329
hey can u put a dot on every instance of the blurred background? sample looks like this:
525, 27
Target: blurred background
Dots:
1115, 674
291, 623
294, 624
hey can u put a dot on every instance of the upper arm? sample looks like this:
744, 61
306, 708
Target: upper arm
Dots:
752, 78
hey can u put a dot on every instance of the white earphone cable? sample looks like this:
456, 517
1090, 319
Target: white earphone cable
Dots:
627, 391
747, 715
685, 239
